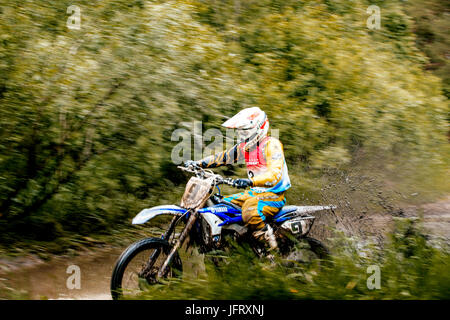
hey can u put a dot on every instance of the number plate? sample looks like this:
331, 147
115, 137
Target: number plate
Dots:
298, 225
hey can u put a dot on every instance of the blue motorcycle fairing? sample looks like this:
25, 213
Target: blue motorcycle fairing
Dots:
231, 215
148, 214
221, 208
225, 212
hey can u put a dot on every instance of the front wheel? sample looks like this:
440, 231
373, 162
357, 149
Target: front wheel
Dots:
138, 265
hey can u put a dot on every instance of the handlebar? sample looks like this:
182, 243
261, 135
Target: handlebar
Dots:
202, 173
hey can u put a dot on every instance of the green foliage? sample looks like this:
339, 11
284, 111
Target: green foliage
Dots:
431, 25
410, 268
87, 115
229, 280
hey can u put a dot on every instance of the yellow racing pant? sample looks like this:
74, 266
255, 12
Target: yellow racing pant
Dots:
257, 207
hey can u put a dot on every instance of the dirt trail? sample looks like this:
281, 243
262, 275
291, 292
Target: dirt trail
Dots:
40, 280
436, 218
34, 279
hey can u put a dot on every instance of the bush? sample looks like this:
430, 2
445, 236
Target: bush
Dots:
87, 114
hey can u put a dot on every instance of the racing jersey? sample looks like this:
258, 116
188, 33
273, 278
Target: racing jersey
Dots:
265, 162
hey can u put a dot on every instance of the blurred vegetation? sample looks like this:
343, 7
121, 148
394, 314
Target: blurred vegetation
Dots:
87, 115
432, 26
410, 268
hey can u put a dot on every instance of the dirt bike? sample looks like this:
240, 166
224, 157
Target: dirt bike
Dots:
209, 222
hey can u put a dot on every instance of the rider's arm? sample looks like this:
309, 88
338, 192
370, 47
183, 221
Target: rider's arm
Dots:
275, 161
230, 156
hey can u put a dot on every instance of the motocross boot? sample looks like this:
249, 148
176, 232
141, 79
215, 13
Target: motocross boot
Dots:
266, 234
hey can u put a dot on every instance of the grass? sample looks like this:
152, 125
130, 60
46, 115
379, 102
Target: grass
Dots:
410, 268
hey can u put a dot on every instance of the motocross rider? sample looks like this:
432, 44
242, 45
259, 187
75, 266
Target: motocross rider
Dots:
266, 169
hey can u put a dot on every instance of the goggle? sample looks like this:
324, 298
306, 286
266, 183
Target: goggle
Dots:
245, 134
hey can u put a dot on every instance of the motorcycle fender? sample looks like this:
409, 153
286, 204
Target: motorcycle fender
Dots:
311, 209
148, 214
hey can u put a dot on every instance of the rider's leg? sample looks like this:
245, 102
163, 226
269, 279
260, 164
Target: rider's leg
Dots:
261, 206
239, 198
257, 209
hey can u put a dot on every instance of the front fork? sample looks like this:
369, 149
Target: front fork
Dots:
180, 241
155, 254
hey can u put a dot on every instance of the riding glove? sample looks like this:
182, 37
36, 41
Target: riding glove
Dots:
242, 183
192, 163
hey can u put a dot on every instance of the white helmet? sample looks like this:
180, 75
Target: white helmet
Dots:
251, 124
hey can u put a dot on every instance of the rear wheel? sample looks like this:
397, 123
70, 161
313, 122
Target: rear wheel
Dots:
307, 252
138, 265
